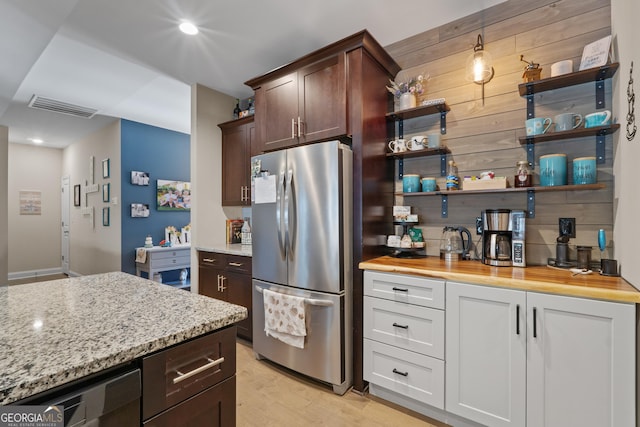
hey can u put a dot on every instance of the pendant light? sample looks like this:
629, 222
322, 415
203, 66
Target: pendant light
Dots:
478, 68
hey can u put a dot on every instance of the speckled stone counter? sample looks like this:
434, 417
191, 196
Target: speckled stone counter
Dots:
61, 330
226, 248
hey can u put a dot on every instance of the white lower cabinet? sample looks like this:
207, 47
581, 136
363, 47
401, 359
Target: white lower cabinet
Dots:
404, 336
516, 358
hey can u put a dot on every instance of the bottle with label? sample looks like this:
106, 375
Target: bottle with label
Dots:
453, 181
245, 236
523, 175
236, 111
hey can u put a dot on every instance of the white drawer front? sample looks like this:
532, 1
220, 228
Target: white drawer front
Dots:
410, 327
168, 262
172, 253
405, 288
410, 374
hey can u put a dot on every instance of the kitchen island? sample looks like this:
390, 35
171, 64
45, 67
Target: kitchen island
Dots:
63, 330
470, 344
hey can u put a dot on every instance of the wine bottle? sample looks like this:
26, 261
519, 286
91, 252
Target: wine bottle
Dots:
236, 111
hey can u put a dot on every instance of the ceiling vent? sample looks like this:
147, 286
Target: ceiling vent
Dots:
61, 107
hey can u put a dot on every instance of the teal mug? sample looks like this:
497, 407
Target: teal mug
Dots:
428, 184
411, 183
537, 126
600, 118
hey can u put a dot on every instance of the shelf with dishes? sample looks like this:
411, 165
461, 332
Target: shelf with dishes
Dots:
597, 74
531, 201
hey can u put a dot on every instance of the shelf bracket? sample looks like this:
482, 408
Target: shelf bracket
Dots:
445, 206
531, 203
600, 145
531, 153
400, 168
600, 102
443, 122
400, 129
531, 111
443, 164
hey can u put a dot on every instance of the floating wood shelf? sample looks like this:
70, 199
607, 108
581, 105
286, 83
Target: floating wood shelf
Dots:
508, 190
571, 79
569, 134
421, 153
419, 111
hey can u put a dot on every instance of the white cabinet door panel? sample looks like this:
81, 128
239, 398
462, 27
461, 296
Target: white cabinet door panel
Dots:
410, 374
404, 288
486, 354
407, 326
580, 363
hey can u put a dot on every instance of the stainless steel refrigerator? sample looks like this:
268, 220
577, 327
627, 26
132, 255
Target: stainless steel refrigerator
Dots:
302, 215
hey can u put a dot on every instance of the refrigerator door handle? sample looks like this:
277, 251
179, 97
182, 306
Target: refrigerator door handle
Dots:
287, 217
280, 190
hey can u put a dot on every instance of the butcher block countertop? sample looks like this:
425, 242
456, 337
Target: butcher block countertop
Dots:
534, 278
57, 331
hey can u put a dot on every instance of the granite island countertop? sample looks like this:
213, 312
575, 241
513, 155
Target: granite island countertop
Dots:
531, 278
58, 331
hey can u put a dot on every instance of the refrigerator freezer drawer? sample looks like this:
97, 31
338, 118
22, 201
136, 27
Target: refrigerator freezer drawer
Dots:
326, 355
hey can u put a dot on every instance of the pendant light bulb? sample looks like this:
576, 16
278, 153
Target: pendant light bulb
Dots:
478, 68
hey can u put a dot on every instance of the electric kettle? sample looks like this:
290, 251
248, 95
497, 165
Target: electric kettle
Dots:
453, 245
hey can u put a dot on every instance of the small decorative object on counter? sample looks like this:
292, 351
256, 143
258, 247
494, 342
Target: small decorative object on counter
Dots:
453, 180
236, 111
245, 238
523, 176
148, 242
406, 92
252, 108
405, 242
531, 72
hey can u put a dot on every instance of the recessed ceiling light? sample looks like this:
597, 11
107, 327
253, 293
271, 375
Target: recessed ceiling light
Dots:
36, 140
188, 28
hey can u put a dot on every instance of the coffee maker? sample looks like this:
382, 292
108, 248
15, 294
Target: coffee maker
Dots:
503, 232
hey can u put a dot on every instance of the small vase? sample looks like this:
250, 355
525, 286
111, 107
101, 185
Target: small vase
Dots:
407, 100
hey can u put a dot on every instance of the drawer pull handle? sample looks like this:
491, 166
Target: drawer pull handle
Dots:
404, 374
208, 260
211, 364
236, 264
400, 326
400, 289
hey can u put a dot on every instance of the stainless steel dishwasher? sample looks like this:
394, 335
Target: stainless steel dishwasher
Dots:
112, 401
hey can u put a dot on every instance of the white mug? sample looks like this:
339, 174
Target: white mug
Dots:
561, 67
417, 143
434, 140
398, 146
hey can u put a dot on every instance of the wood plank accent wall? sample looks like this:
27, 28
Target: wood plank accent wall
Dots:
486, 137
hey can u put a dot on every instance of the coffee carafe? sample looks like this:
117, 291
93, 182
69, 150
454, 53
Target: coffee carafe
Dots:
452, 243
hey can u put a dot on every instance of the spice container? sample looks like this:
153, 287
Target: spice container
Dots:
523, 175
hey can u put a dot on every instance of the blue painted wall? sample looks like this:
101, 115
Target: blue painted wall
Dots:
164, 154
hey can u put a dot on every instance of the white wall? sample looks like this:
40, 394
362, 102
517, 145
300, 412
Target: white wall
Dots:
208, 108
95, 249
4, 221
34, 239
625, 14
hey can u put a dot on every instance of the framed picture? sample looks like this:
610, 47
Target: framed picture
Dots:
173, 195
30, 203
139, 178
105, 168
76, 195
139, 210
106, 192
105, 216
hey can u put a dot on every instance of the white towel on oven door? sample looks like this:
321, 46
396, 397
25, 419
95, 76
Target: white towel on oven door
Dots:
284, 318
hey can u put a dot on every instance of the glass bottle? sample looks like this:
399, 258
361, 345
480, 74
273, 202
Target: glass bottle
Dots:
252, 108
245, 232
453, 181
523, 175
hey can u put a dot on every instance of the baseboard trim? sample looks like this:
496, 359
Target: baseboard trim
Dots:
34, 273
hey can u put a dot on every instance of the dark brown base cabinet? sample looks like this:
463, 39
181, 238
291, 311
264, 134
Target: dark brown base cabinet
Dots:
228, 278
192, 384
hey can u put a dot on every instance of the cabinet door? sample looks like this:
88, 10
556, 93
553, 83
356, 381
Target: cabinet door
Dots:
211, 282
277, 113
235, 165
239, 292
486, 354
323, 100
580, 368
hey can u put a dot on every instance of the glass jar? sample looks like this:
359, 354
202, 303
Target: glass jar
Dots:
523, 175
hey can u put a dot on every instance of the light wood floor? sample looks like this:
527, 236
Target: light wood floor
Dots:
271, 396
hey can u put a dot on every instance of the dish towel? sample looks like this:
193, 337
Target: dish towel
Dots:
141, 255
284, 318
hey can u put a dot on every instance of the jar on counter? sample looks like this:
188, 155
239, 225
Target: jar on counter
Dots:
523, 176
